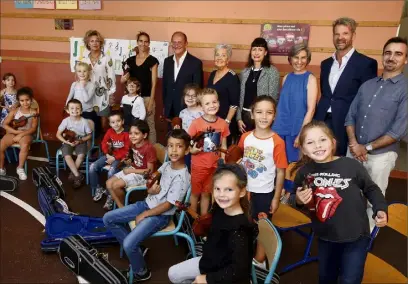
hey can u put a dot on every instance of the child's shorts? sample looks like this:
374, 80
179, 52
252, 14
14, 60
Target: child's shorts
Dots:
132, 179
261, 202
201, 179
68, 150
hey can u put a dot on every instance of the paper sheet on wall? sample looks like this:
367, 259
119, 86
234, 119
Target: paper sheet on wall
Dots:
90, 4
66, 4
119, 50
44, 4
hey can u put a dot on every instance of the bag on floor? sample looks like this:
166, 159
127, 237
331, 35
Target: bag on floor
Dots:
59, 226
50, 202
42, 176
85, 261
8, 183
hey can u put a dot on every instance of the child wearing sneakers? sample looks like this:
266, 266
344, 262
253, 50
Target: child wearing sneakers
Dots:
115, 146
204, 161
154, 213
76, 123
23, 136
144, 159
264, 161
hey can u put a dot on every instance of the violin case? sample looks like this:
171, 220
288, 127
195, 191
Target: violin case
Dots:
59, 226
84, 260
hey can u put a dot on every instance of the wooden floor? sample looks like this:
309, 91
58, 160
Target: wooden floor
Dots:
23, 262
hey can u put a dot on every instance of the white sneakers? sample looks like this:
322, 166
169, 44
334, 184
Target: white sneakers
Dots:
21, 174
20, 171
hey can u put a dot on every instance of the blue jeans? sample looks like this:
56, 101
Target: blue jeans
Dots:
116, 221
97, 166
342, 260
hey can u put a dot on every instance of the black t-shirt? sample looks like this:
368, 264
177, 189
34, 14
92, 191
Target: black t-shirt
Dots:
228, 251
251, 87
143, 72
228, 91
339, 191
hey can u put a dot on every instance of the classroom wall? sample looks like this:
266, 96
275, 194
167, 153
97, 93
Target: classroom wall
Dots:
39, 55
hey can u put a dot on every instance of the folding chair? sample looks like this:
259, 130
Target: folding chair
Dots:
377, 270
269, 238
91, 146
171, 230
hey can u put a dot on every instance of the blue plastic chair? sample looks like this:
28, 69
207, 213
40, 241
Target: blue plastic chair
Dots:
269, 238
171, 230
37, 139
87, 156
286, 219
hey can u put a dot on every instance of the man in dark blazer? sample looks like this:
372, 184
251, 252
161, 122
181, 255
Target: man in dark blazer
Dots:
341, 76
178, 70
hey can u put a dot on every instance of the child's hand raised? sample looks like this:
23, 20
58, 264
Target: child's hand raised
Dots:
381, 219
303, 196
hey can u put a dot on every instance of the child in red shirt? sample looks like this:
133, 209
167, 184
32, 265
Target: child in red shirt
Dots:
115, 146
204, 159
143, 157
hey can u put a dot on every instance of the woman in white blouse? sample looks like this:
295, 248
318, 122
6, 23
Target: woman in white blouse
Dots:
103, 76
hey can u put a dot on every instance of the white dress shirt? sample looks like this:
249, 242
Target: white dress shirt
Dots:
337, 69
177, 68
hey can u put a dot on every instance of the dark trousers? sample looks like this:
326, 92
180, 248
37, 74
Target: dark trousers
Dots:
340, 134
342, 263
96, 120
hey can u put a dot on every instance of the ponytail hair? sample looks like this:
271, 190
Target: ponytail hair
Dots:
304, 159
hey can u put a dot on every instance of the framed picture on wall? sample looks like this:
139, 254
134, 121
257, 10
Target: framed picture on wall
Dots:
281, 37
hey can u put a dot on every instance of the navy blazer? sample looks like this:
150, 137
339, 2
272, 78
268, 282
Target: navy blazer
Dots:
359, 69
191, 71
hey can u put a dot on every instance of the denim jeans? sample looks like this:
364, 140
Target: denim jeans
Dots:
342, 260
116, 221
97, 166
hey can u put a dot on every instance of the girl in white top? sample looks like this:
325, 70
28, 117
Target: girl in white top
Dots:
82, 89
193, 109
103, 75
23, 135
132, 103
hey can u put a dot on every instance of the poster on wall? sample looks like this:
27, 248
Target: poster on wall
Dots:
281, 37
90, 4
119, 50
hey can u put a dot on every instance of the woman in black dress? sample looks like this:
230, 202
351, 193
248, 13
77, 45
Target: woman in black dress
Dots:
144, 67
227, 84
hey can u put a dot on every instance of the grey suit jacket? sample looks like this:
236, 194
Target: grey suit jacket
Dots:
268, 84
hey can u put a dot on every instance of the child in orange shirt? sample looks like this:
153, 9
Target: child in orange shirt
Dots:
204, 159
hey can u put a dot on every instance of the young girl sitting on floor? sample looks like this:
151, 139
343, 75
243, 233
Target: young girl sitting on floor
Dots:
336, 194
22, 135
228, 251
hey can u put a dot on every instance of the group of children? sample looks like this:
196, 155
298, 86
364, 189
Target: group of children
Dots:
336, 193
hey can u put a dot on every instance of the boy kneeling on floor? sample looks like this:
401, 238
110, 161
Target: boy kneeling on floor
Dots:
154, 213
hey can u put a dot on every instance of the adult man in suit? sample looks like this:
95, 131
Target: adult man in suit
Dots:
341, 76
178, 70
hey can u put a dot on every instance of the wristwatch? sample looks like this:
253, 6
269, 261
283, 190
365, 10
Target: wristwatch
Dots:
227, 121
369, 147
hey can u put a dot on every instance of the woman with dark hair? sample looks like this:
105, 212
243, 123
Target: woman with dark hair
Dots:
103, 76
297, 100
226, 83
259, 78
143, 67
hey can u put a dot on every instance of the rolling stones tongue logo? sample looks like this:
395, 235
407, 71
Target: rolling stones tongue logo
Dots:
326, 200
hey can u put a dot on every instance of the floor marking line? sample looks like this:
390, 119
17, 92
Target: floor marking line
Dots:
34, 212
